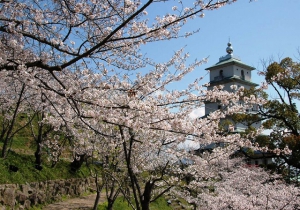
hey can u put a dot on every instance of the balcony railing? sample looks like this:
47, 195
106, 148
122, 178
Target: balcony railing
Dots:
218, 78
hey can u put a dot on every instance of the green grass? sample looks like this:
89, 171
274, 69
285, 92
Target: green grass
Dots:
27, 172
21, 155
160, 204
37, 207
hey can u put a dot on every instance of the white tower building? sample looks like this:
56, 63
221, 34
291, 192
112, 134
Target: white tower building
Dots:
229, 71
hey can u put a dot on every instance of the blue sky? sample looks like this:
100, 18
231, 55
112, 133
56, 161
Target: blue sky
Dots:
258, 31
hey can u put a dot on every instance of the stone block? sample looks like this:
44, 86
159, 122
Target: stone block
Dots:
2, 189
9, 197
57, 198
33, 198
71, 192
25, 189
21, 197
34, 185
20, 208
42, 185
27, 204
63, 191
67, 190
41, 197
68, 183
50, 183
14, 186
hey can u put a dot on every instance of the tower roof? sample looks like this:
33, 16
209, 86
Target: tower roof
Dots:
229, 59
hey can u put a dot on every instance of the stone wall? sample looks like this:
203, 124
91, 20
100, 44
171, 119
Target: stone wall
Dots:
24, 196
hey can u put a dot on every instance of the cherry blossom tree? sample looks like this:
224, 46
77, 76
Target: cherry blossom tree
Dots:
244, 187
54, 35
84, 58
147, 133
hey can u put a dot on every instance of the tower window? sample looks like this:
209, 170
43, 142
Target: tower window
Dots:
221, 73
242, 74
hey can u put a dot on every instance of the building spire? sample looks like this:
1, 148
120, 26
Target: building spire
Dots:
229, 49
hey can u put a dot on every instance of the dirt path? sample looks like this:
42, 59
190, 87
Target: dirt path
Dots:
82, 203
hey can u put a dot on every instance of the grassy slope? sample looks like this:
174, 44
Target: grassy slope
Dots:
27, 172
21, 155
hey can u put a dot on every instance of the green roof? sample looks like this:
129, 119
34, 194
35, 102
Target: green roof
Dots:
230, 60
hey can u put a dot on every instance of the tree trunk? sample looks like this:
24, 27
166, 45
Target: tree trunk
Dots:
97, 200
38, 158
12, 123
39, 139
98, 189
145, 200
110, 204
77, 162
4, 148
145, 204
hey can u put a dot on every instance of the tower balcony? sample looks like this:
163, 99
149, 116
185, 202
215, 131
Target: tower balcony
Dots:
218, 78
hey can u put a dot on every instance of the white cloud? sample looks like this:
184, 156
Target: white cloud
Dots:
197, 113
189, 145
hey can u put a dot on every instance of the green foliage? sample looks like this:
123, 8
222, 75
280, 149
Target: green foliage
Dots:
247, 119
224, 124
256, 92
280, 114
288, 71
265, 141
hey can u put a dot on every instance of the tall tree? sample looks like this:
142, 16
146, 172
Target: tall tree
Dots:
280, 113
